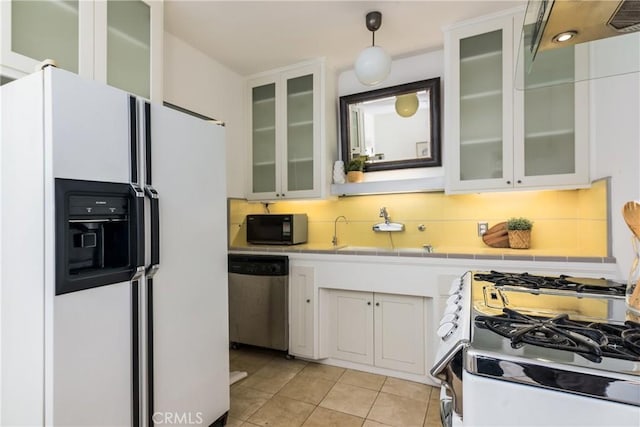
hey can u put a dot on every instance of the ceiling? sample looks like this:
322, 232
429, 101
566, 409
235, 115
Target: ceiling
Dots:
253, 36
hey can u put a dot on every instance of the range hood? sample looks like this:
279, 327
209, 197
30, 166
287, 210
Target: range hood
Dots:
564, 31
561, 23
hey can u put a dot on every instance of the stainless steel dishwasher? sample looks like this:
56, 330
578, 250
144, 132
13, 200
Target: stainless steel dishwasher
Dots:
259, 300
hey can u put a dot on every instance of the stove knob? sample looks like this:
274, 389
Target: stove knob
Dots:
455, 287
448, 318
445, 330
453, 299
452, 309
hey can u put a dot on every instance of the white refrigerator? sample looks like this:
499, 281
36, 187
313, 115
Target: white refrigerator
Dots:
113, 283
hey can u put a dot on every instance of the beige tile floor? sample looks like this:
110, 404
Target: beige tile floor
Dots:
289, 393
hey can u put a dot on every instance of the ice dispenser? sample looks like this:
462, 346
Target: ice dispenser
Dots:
99, 234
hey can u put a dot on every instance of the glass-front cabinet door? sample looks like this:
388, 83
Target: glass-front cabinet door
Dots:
129, 46
118, 42
32, 31
285, 114
481, 134
501, 135
300, 133
551, 121
263, 139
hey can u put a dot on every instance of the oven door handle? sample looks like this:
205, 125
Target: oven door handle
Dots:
446, 410
439, 367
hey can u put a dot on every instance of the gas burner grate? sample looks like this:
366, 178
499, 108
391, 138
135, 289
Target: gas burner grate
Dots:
562, 283
591, 340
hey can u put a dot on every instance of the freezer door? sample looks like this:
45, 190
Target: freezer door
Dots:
90, 128
187, 336
92, 370
91, 360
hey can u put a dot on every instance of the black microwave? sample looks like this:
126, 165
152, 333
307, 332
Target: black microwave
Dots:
277, 229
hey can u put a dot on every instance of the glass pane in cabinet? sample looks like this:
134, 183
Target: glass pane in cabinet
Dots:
549, 140
481, 106
46, 30
300, 133
481, 160
263, 128
129, 46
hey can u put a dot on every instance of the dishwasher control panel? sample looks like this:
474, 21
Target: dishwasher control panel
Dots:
259, 265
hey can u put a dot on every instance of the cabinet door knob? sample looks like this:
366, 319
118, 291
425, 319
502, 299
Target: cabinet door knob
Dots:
308, 301
519, 181
282, 194
508, 182
377, 304
368, 302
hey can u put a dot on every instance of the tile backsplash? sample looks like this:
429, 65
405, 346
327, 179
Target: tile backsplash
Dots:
566, 222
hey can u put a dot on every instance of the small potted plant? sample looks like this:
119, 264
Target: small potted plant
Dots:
519, 230
355, 169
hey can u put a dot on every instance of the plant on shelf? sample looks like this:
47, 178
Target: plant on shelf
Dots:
519, 230
355, 169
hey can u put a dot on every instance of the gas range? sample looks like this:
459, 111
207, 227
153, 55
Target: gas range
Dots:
573, 327
558, 340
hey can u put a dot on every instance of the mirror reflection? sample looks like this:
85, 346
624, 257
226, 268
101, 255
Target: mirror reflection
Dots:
395, 127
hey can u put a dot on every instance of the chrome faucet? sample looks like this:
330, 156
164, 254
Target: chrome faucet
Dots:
334, 241
384, 214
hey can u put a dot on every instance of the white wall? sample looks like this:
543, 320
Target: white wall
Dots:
198, 83
615, 137
404, 70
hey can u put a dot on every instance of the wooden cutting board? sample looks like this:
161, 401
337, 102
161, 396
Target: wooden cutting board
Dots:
497, 236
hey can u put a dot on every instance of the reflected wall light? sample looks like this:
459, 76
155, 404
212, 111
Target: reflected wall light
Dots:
407, 104
373, 64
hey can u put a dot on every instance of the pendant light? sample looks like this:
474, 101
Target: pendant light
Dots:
407, 104
373, 64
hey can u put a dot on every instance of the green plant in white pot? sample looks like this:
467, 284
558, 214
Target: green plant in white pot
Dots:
355, 169
519, 230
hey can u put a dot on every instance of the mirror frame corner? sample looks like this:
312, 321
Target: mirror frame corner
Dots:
433, 87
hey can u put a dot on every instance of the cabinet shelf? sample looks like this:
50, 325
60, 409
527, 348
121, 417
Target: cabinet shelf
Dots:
481, 56
546, 134
265, 129
496, 140
549, 83
127, 38
264, 164
264, 101
301, 160
301, 93
302, 123
480, 95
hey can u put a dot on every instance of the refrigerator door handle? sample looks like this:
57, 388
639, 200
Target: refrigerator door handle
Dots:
138, 201
133, 138
154, 201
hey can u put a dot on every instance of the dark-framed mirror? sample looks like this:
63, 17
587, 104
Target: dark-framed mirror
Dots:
396, 127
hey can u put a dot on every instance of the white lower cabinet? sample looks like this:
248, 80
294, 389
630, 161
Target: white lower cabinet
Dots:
351, 326
377, 329
302, 312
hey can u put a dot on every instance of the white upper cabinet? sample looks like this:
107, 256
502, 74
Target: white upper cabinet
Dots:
499, 137
115, 42
286, 128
